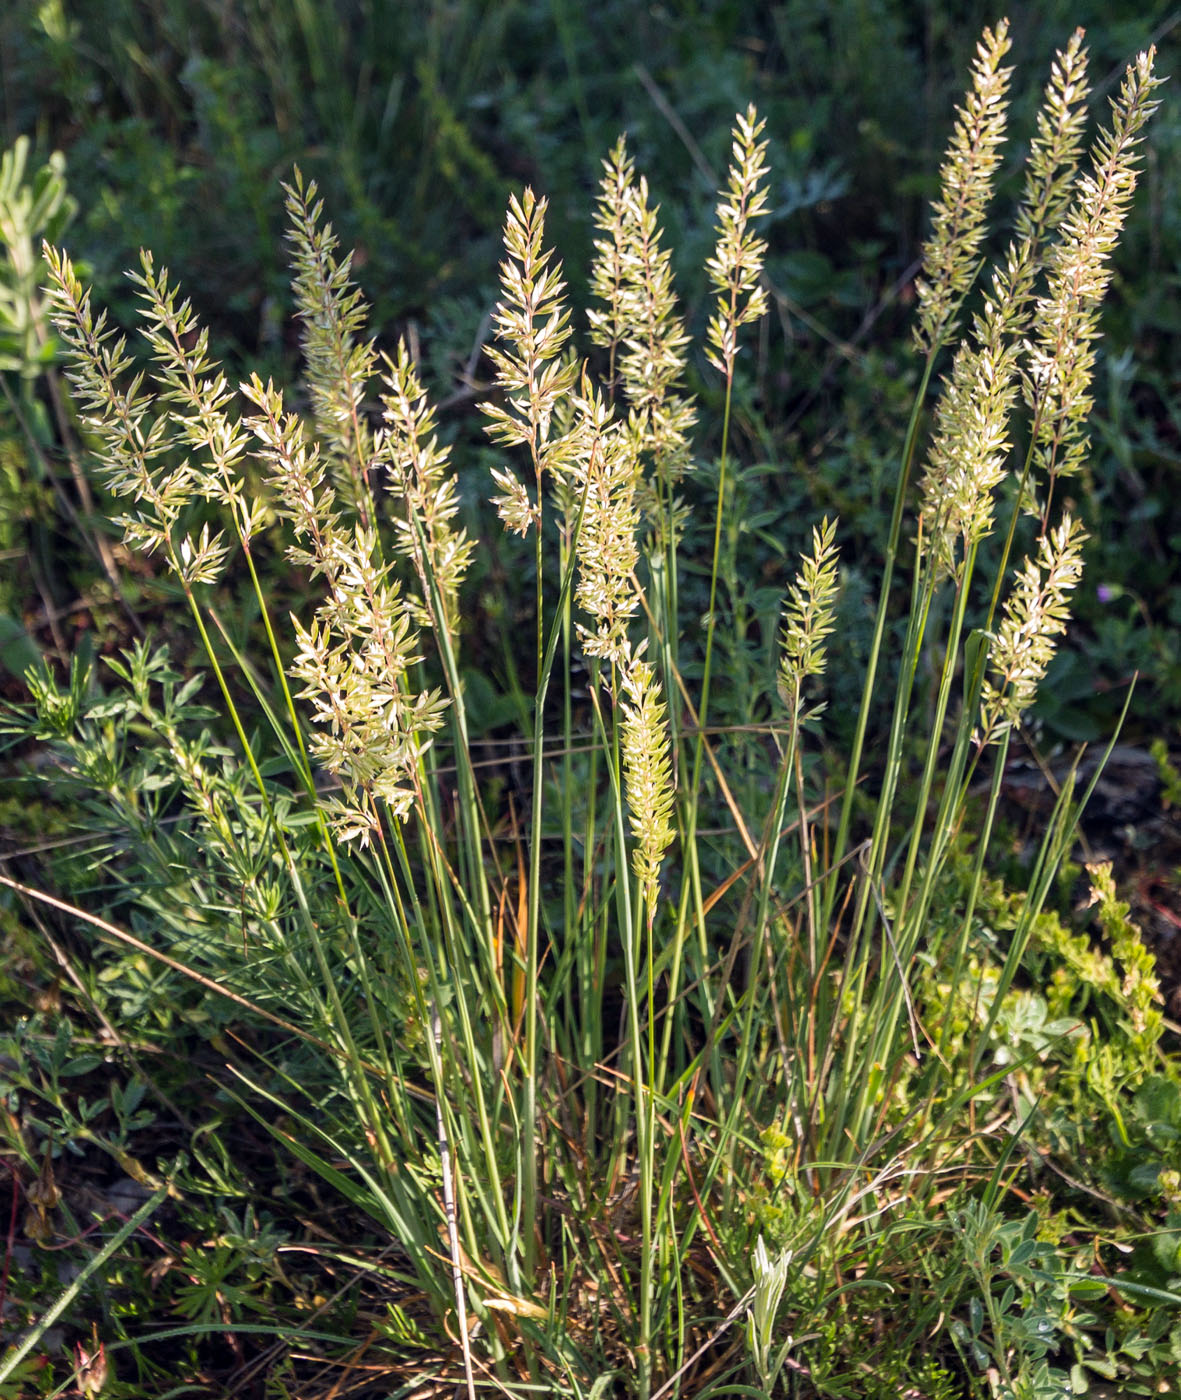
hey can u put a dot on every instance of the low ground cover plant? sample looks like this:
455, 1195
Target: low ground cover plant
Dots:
642, 1080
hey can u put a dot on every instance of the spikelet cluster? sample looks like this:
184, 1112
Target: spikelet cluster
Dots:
1054, 151
736, 264
420, 467
1035, 616
1043, 344
339, 360
114, 405
354, 659
612, 281
573, 436
1066, 319
533, 325
809, 617
951, 255
640, 326
647, 770
606, 478
166, 442
372, 725
970, 448
175, 443
192, 387
605, 474
970, 445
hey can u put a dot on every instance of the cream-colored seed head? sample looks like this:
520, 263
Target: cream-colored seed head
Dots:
951, 255
737, 261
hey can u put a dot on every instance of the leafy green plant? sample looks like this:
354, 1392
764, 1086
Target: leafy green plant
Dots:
29, 211
36, 430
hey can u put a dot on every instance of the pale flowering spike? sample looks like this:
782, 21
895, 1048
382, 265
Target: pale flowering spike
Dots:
970, 446
202, 560
1055, 150
737, 261
134, 437
339, 357
1066, 319
532, 323
193, 393
632, 274
141, 428
614, 218
1050, 172
951, 255
1036, 614
606, 547
304, 495
370, 728
809, 617
647, 773
513, 505
421, 469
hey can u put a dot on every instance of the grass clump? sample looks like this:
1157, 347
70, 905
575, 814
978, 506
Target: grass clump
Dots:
616, 1123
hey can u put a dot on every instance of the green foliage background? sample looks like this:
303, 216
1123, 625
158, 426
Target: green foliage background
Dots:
180, 118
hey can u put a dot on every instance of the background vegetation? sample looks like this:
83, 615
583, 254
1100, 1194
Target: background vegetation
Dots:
178, 125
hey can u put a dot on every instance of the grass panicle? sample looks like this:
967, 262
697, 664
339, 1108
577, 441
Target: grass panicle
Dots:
951, 255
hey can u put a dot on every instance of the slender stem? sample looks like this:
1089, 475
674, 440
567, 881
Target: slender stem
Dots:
532, 929
711, 618
854, 770
691, 885
629, 912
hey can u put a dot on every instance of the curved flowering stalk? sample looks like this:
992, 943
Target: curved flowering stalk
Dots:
135, 440
189, 408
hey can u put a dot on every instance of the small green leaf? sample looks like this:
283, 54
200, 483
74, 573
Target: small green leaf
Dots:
82, 1064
